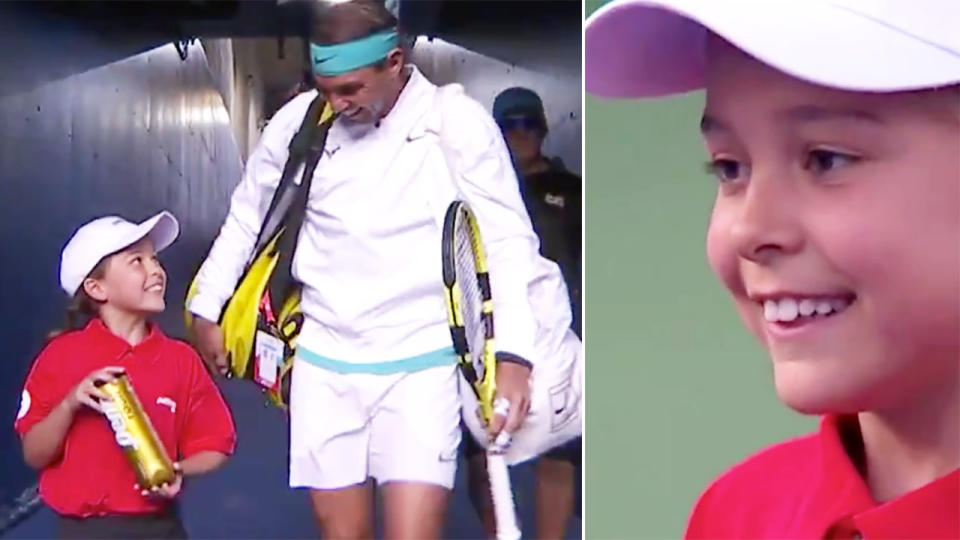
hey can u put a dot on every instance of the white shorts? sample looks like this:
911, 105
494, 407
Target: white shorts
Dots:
347, 427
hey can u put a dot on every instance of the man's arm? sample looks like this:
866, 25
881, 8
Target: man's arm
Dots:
478, 157
220, 272
486, 180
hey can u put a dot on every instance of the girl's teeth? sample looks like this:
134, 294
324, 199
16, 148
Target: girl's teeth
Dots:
790, 309
771, 312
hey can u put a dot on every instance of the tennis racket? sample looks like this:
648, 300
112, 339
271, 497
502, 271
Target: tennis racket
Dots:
470, 312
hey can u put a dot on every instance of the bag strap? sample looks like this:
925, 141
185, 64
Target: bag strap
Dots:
312, 148
294, 218
285, 194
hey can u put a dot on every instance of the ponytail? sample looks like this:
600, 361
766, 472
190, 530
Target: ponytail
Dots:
82, 308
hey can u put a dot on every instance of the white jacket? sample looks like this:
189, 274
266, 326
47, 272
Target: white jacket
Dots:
368, 254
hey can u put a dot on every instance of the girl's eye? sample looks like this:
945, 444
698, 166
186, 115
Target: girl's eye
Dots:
820, 161
725, 170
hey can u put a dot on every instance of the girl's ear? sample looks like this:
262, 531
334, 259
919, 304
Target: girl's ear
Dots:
95, 289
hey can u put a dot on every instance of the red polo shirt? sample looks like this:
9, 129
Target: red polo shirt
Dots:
810, 488
92, 476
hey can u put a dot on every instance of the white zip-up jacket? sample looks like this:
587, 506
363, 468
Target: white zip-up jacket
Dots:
368, 253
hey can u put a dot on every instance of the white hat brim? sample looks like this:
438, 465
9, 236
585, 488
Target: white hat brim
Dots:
162, 229
648, 48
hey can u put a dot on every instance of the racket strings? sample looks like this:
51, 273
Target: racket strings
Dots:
472, 298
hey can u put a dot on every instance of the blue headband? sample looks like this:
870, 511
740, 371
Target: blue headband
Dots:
344, 57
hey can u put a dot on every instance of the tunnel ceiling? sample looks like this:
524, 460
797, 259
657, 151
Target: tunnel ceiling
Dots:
538, 35
474, 24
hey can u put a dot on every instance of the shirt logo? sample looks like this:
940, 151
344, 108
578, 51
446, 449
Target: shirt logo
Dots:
24, 404
164, 400
555, 200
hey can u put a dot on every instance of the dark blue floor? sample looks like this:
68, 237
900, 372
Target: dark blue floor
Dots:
249, 497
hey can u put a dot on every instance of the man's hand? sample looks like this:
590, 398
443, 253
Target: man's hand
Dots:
208, 339
513, 385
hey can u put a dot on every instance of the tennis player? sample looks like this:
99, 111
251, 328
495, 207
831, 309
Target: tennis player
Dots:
374, 391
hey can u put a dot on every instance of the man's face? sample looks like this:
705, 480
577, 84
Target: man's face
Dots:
524, 136
836, 228
364, 95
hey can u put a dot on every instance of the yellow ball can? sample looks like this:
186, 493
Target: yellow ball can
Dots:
135, 434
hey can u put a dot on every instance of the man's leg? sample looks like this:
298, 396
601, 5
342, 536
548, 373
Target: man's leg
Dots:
414, 435
414, 510
478, 484
555, 489
554, 497
328, 452
344, 513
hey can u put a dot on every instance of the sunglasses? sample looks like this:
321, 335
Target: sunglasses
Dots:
525, 123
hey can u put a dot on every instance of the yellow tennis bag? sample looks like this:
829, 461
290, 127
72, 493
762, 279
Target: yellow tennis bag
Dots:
262, 319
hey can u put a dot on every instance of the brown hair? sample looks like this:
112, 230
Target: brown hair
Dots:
347, 21
82, 308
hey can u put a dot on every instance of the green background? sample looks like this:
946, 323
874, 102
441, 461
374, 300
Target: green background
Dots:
677, 390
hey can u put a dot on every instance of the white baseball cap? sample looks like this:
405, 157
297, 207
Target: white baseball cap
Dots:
106, 236
647, 48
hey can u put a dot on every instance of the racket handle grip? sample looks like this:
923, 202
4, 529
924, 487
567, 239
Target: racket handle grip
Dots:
503, 509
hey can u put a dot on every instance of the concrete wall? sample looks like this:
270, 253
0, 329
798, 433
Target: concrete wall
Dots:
237, 70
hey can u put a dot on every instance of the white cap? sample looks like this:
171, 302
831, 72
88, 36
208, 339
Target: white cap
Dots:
105, 236
645, 48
